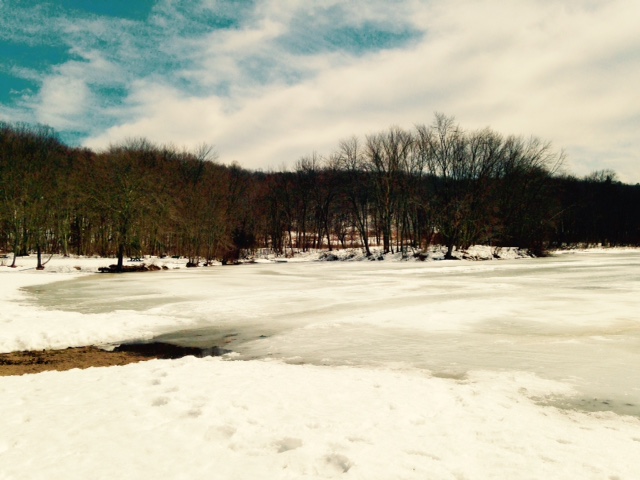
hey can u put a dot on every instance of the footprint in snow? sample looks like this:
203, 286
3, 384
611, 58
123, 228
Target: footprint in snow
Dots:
287, 443
339, 462
159, 401
220, 432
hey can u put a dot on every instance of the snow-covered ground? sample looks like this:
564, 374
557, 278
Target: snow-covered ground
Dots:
386, 369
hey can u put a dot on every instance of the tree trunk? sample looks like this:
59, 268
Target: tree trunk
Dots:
449, 254
39, 254
15, 249
120, 257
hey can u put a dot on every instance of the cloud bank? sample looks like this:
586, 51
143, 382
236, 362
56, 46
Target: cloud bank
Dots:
270, 81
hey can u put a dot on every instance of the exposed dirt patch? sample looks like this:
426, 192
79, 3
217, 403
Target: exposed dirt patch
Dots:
19, 363
132, 268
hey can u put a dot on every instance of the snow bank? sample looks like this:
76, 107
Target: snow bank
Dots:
24, 326
593, 249
435, 252
206, 418
79, 264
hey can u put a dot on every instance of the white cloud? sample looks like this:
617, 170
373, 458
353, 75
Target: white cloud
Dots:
61, 98
524, 67
564, 71
66, 100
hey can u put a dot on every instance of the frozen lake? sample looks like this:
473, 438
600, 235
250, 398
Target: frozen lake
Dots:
573, 317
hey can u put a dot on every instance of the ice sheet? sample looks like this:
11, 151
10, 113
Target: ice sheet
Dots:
569, 318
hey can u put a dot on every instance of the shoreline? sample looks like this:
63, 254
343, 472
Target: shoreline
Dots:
37, 361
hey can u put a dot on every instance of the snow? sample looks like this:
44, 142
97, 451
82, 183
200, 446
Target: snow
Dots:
205, 418
444, 370
36, 328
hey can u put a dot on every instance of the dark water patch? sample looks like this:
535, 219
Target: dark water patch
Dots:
168, 351
232, 337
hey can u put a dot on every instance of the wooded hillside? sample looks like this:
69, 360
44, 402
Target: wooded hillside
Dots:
399, 189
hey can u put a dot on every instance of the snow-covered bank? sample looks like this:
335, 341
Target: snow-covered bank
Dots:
440, 370
25, 327
435, 252
206, 418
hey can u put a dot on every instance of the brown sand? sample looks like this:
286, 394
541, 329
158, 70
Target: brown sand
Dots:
19, 363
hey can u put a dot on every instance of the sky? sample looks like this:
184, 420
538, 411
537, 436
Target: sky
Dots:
270, 81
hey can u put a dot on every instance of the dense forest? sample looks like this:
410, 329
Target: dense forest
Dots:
403, 190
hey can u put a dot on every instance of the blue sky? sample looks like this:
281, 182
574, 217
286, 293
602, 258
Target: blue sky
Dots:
269, 81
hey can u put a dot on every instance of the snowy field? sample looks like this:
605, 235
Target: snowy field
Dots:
523, 369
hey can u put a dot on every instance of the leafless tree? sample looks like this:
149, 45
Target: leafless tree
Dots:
356, 188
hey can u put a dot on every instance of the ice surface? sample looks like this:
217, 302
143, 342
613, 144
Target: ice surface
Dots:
570, 318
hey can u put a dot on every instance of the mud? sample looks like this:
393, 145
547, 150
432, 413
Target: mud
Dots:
26, 362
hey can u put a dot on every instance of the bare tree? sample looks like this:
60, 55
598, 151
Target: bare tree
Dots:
30, 165
351, 161
123, 185
443, 147
387, 154
463, 167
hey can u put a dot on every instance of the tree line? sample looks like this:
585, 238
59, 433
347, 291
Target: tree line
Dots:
401, 189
